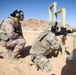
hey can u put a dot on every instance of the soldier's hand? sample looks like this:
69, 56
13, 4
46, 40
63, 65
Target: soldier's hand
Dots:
19, 37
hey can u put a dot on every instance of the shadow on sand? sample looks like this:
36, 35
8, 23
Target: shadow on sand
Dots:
69, 68
25, 51
54, 53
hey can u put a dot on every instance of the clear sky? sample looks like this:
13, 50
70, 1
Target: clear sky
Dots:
38, 9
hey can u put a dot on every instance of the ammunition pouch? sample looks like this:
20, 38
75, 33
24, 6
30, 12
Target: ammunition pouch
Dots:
42, 48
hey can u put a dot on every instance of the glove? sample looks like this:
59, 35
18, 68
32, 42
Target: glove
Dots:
63, 31
54, 27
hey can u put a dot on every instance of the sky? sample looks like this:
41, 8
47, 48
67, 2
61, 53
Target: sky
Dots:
38, 9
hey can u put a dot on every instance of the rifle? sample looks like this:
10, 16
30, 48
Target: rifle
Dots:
63, 30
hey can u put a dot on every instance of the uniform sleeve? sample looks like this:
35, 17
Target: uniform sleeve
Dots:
54, 42
9, 29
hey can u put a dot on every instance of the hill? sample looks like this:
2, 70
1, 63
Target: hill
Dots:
38, 24
35, 23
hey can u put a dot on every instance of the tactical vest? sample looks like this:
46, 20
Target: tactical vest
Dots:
17, 28
40, 47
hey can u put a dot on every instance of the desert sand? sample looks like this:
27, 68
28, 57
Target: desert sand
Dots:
60, 64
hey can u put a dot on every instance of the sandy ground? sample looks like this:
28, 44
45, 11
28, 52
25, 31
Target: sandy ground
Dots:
60, 64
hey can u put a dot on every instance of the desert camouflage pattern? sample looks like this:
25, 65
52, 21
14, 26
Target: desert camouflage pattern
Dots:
48, 42
41, 62
16, 41
45, 43
12, 28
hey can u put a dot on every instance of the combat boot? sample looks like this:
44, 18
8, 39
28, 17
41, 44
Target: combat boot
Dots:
14, 60
1, 55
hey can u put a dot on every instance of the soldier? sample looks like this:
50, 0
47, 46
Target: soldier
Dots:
12, 37
45, 43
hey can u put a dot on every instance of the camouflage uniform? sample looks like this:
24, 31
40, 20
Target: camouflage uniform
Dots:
45, 43
16, 41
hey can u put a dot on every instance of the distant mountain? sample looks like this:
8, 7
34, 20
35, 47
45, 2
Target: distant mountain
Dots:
34, 23
40, 24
